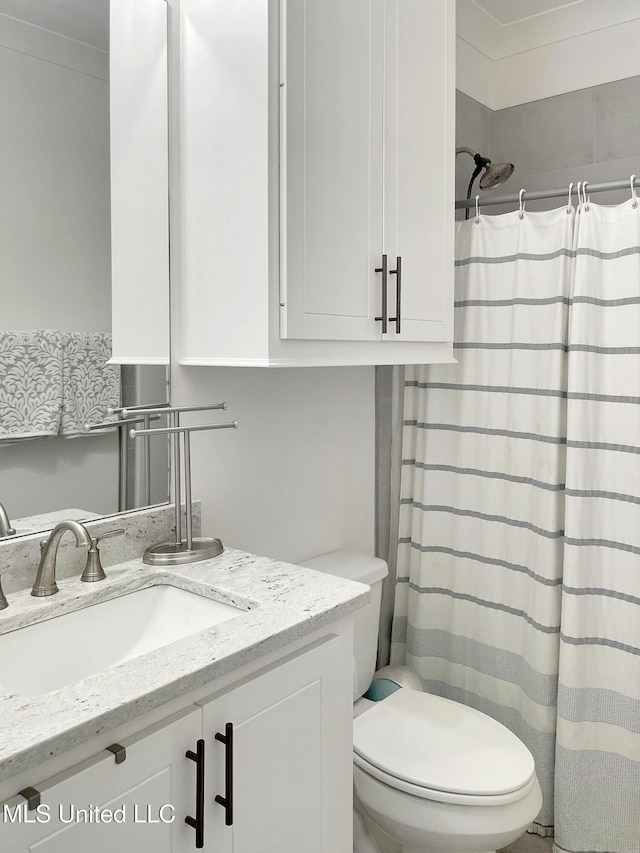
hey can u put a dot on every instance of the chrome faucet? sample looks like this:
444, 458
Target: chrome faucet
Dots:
5, 525
45, 583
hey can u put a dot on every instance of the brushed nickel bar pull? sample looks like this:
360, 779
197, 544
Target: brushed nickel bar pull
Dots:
398, 274
227, 801
384, 270
197, 823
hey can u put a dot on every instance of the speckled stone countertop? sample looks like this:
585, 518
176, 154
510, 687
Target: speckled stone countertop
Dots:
280, 603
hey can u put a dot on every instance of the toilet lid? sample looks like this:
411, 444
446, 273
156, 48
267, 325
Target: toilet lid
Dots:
442, 745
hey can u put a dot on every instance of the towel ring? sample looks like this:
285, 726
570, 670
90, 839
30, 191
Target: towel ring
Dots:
477, 219
632, 181
569, 205
521, 203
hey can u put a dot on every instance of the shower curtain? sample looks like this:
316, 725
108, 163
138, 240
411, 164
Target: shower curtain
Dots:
518, 560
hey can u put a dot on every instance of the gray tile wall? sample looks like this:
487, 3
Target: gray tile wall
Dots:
592, 134
473, 130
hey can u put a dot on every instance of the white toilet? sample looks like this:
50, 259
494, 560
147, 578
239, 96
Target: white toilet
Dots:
430, 775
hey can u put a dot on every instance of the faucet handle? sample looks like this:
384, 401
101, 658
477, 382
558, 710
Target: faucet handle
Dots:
3, 601
116, 531
93, 570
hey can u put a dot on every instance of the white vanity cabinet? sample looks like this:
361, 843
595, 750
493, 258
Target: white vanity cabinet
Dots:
317, 138
291, 768
290, 734
100, 806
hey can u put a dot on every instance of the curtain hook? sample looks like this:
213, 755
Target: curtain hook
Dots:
586, 198
579, 191
632, 181
521, 203
477, 219
569, 205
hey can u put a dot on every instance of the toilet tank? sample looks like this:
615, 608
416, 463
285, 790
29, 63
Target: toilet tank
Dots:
364, 569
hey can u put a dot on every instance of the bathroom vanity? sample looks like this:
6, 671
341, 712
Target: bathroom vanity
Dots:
236, 737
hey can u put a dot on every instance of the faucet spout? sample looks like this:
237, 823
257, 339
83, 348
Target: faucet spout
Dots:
5, 525
45, 583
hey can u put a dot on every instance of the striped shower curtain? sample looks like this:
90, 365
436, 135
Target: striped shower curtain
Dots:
518, 563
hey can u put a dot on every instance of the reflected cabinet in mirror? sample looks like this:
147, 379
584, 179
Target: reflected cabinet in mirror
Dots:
84, 283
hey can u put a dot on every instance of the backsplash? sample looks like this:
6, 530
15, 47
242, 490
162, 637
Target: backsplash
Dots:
19, 557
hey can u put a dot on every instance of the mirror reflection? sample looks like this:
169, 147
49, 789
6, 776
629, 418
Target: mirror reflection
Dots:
55, 279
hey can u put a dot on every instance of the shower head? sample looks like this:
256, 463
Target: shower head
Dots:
496, 174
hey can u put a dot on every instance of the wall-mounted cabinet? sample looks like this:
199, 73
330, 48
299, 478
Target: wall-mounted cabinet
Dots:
317, 138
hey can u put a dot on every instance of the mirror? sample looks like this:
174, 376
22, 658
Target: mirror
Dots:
84, 243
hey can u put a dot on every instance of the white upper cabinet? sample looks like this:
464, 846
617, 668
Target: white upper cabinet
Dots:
317, 140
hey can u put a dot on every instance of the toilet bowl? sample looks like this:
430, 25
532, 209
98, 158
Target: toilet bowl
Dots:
433, 775
430, 775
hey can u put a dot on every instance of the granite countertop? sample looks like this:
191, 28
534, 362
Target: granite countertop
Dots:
280, 603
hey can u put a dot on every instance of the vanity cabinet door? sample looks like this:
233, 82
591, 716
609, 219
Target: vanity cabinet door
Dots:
101, 806
292, 756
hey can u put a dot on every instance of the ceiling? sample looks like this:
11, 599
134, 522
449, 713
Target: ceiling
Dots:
514, 51
85, 21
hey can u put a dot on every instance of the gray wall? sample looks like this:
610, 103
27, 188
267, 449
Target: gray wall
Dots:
592, 134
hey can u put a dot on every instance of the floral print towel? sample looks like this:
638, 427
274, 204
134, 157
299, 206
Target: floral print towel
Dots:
30, 383
53, 383
89, 385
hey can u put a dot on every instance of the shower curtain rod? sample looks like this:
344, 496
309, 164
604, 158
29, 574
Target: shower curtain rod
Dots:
560, 192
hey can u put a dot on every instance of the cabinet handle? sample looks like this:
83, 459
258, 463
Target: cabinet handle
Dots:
398, 274
384, 270
198, 822
227, 801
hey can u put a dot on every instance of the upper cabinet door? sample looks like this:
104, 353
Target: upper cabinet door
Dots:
367, 163
419, 157
331, 168
139, 181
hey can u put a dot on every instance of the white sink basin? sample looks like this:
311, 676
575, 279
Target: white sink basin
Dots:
60, 651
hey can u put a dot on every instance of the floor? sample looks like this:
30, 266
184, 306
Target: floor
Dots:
529, 844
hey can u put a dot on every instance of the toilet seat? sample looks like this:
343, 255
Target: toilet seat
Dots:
441, 750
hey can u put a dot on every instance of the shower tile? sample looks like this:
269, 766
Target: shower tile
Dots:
617, 119
553, 133
473, 130
612, 170
473, 121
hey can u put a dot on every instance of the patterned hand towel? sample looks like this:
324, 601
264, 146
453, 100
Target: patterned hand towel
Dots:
30, 384
89, 384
